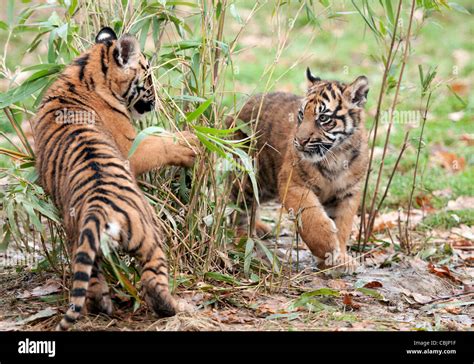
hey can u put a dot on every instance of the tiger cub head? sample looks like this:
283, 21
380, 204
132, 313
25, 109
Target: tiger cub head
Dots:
126, 72
329, 115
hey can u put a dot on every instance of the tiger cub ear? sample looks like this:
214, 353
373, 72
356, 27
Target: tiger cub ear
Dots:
127, 50
357, 91
105, 35
310, 77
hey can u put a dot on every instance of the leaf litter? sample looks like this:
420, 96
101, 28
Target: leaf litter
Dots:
392, 291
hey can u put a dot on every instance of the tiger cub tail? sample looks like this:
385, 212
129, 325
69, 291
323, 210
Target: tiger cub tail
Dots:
85, 255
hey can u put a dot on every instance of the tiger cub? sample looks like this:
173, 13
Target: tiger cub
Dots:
312, 153
83, 134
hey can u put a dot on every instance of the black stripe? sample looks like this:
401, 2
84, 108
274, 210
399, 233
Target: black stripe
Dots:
69, 319
120, 187
92, 82
154, 270
99, 181
336, 110
335, 200
327, 173
48, 151
136, 248
104, 67
94, 218
78, 292
62, 147
82, 143
82, 63
81, 276
65, 100
121, 198
89, 234
71, 87
128, 88
80, 159
103, 174
83, 258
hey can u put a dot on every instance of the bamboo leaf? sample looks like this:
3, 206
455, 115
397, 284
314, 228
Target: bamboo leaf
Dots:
22, 92
248, 255
199, 111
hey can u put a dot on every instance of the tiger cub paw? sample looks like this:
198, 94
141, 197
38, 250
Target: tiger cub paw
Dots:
262, 230
185, 146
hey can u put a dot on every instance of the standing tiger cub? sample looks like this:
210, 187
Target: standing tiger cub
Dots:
312, 153
83, 134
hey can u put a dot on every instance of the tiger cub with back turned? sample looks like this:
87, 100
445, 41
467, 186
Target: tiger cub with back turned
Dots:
83, 134
312, 153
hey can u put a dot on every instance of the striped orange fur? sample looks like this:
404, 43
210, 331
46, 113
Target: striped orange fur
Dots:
312, 154
83, 134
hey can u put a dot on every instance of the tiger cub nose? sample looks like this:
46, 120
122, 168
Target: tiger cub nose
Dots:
303, 141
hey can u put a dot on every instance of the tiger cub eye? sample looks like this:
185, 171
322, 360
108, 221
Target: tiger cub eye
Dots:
328, 123
323, 118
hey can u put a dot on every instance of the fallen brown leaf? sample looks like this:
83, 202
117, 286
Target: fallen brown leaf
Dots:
373, 284
347, 300
424, 201
442, 272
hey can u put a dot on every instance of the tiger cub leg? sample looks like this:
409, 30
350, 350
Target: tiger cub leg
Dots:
155, 276
343, 214
98, 295
318, 231
155, 152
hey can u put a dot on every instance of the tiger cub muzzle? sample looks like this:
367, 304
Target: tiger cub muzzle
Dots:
310, 147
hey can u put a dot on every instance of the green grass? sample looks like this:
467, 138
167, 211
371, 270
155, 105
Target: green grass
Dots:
447, 219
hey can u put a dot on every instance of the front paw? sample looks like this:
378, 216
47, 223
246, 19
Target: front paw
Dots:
184, 149
321, 238
262, 230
